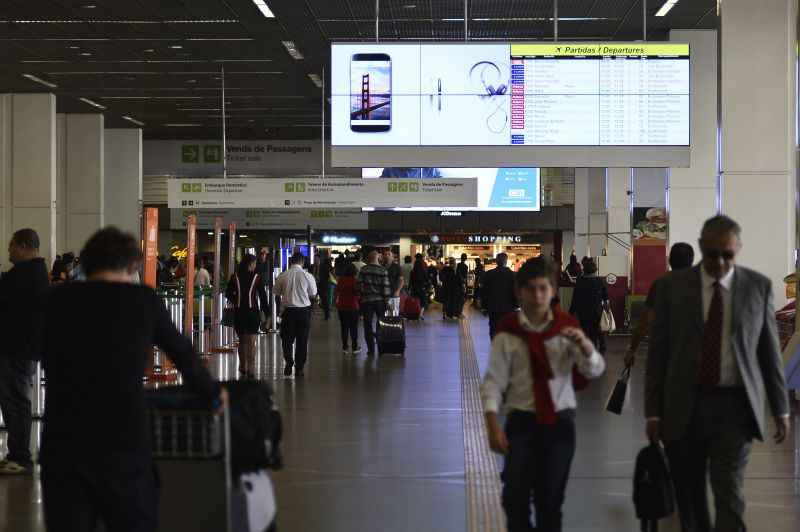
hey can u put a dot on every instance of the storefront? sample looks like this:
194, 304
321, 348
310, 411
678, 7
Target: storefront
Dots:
518, 246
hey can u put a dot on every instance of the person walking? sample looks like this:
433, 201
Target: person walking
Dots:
420, 284
375, 290
530, 375
22, 292
247, 291
406, 269
453, 289
347, 305
713, 362
589, 300
396, 281
296, 288
480, 271
499, 294
681, 256
573, 269
325, 286
96, 455
202, 277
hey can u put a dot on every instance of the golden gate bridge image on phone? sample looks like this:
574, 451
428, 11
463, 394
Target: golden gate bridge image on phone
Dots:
370, 93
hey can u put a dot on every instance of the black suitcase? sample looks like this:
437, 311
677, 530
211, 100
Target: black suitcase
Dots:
391, 335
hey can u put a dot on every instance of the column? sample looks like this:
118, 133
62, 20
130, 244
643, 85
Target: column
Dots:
84, 185
758, 132
693, 191
123, 179
28, 168
598, 214
617, 259
580, 239
405, 249
61, 183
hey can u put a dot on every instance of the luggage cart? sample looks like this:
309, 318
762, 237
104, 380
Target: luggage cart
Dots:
192, 449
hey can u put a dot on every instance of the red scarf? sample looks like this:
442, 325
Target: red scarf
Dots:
540, 363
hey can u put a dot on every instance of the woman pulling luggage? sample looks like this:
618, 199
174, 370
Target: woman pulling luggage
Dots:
246, 290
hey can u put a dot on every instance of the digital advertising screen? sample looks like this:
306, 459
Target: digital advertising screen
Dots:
499, 189
448, 95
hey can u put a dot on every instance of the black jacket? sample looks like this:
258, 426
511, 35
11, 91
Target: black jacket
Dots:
22, 292
99, 339
498, 291
588, 298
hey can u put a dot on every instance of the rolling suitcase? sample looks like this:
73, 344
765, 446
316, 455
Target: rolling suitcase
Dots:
391, 335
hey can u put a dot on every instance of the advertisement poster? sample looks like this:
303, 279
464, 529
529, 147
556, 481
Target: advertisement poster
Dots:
150, 245
649, 239
320, 193
502, 189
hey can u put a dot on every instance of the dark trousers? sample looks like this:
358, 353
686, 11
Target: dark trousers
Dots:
325, 298
717, 442
537, 464
348, 320
371, 312
15, 403
494, 320
76, 498
295, 326
593, 332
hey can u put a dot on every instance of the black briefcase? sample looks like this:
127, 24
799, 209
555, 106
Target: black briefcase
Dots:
617, 398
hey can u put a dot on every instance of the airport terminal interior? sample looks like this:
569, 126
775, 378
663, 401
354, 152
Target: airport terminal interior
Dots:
427, 265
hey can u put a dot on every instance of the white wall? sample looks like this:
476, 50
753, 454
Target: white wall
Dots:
84, 185
123, 179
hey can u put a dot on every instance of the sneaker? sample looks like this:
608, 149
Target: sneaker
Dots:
287, 371
9, 467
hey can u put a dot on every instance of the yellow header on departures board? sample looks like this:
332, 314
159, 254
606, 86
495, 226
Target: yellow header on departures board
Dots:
599, 50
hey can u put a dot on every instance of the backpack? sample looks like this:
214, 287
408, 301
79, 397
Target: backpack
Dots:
256, 427
653, 494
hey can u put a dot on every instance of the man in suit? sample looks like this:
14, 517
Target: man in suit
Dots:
714, 361
499, 293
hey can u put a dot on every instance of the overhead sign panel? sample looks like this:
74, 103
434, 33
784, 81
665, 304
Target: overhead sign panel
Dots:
527, 102
318, 193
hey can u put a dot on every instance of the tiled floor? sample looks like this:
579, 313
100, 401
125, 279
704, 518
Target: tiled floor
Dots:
378, 445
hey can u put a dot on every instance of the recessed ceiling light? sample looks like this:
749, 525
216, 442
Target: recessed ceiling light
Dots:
292, 49
93, 103
669, 4
88, 6
74, 47
182, 125
410, 6
129, 119
40, 81
191, 81
251, 120
86, 54
149, 50
176, 46
264, 8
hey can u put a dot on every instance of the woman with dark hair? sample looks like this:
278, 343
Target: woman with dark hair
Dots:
589, 300
247, 291
574, 268
420, 284
346, 293
98, 339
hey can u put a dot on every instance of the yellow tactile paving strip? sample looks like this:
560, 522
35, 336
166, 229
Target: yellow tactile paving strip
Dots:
484, 511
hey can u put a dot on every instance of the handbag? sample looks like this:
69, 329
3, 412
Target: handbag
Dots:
228, 317
617, 398
607, 323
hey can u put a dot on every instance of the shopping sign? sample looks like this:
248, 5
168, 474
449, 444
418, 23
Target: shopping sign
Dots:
321, 193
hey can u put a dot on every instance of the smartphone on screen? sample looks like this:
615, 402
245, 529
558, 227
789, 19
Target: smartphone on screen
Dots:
370, 93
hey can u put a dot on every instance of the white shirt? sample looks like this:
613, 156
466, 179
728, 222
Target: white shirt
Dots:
406, 269
296, 287
203, 278
729, 368
509, 373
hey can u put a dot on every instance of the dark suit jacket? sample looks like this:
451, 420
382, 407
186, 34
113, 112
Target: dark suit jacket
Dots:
498, 291
676, 340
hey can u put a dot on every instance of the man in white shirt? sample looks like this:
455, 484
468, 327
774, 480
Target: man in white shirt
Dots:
714, 362
296, 289
202, 279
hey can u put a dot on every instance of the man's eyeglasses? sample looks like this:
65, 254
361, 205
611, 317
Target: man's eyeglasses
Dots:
715, 254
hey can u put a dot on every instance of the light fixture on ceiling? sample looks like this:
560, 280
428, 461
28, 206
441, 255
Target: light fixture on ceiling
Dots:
316, 79
410, 6
93, 103
86, 54
40, 81
264, 8
182, 125
88, 6
191, 81
149, 50
176, 46
669, 4
133, 120
292, 49
74, 47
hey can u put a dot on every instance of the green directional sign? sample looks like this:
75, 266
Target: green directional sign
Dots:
392, 187
413, 187
190, 153
300, 187
212, 153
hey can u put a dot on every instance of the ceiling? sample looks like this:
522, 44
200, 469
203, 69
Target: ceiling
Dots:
160, 62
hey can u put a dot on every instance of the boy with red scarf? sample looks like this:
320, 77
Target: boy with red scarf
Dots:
537, 354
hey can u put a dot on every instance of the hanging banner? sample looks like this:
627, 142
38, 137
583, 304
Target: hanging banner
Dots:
316, 193
191, 247
277, 219
150, 245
